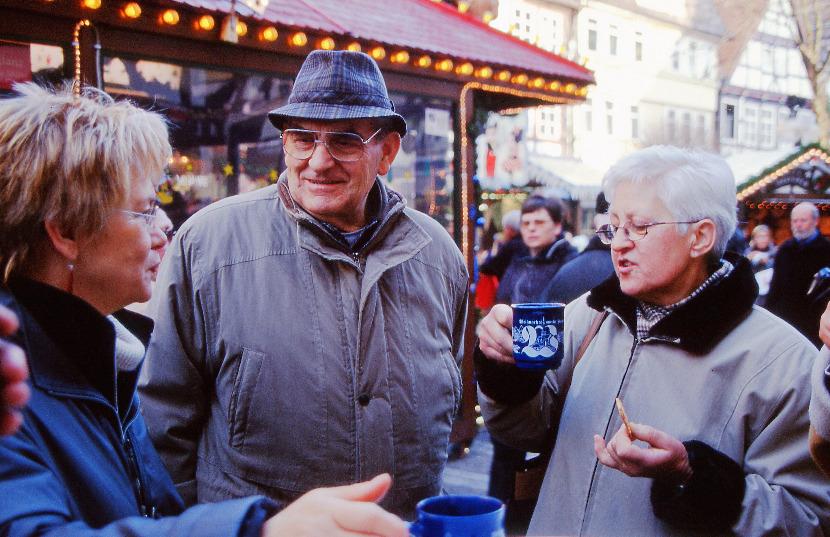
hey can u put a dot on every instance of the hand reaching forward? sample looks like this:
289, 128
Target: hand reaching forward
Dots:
665, 458
338, 511
495, 336
14, 392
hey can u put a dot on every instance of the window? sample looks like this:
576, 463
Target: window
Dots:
638, 46
612, 41
729, 122
589, 115
685, 128
767, 128
700, 130
609, 117
547, 123
750, 125
692, 59
635, 122
671, 125
592, 34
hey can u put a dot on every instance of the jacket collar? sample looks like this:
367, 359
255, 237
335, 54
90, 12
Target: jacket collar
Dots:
699, 324
69, 344
384, 205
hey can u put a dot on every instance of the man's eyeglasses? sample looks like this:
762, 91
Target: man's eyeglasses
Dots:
149, 215
632, 230
343, 146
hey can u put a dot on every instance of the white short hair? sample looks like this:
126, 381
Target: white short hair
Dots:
692, 184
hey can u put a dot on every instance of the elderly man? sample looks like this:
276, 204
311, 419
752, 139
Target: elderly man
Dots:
718, 389
797, 261
309, 333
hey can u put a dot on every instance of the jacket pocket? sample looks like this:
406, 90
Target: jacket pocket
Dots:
244, 385
455, 377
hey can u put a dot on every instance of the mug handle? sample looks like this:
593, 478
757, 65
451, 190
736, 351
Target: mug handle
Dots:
415, 529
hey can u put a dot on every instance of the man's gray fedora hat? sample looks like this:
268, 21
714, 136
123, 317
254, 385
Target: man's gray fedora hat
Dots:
338, 85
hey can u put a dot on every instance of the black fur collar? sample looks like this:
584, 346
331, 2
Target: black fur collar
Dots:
701, 323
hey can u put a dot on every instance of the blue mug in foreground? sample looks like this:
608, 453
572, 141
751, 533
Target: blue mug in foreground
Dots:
458, 515
538, 332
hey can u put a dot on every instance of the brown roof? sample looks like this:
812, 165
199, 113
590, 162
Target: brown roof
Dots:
423, 26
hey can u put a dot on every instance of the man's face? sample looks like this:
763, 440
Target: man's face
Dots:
654, 268
802, 222
335, 192
539, 230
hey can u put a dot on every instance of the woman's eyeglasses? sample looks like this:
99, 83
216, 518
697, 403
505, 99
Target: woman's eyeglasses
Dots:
632, 230
149, 215
343, 146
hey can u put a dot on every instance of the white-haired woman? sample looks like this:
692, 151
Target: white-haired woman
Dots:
718, 388
79, 242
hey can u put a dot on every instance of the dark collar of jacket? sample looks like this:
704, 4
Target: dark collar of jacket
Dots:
596, 244
699, 324
383, 205
70, 346
556, 250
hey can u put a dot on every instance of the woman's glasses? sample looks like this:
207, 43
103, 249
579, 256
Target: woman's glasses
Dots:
149, 215
632, 230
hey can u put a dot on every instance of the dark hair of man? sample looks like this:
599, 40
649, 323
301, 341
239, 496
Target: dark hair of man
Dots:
552, 205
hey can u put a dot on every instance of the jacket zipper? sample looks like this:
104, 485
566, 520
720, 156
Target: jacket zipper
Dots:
148, 512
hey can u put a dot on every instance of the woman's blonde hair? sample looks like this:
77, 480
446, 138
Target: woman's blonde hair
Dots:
70, 159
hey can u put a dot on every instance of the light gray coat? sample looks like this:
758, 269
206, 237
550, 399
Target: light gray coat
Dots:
747, 398
281, 362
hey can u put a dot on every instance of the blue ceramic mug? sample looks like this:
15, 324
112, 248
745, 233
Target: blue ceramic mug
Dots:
458, 515
538, 332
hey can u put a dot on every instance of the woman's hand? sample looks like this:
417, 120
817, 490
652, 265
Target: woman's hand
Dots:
665, 458
495, 336
338, 512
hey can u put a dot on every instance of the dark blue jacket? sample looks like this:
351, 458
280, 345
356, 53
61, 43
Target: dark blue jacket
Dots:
526, 277
82, 464
581, 274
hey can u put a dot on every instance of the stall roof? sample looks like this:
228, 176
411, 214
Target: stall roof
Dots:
421, 25
805, 173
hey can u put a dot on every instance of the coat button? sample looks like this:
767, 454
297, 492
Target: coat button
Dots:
364, 399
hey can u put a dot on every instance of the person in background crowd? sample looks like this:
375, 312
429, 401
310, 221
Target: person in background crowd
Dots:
524, 279
590, 268
541, 229
761, 248
820, 399
511, 245
78, 242
309, 333
14, 392
717, 388
796, 262
492, 269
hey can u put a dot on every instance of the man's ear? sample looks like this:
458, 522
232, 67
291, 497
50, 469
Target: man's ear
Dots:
704, 234
391, 146
62, 239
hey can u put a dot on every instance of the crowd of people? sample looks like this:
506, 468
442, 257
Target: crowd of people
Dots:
297, 372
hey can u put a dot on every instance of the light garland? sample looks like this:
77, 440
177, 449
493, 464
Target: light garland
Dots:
780, 172
76, 44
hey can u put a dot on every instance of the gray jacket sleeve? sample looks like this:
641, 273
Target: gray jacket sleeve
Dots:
172, 384
820, 400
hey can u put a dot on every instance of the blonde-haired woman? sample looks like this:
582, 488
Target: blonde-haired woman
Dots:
79, 242
761, 248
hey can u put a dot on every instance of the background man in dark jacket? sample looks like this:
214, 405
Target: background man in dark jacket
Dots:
590, 268
796, 262
541, 228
